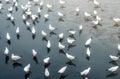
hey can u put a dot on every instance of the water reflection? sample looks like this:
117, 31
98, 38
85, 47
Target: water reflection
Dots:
6, 59
35, 59
16, 64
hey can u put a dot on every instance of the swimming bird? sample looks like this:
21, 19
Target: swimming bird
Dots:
62, 3
17, 30
72, 32
62, 70
118, 47
1, 5
87, 15
48, 46
61, 46
85, 72
61, 36
88, 42
70, 40
15, 57
7, 1
24, 18
34, 53
46, 60
33, 32
114, 58
51, 28
113, 69
46, 17
80, 28
36, 2
10, 9
88, 52
41, 4
38, 12
47, 73
70, 57
49, 7
6, 51
44, 34
27, 68
95, 22
77, 11
60, 14
8, 36
16, 6
28, 25
116, 20
96, 3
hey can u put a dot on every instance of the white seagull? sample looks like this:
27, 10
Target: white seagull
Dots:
62, 70
47, 73
6, 51
48, 44
27, 68
70, 40
15, 57
85, 72
113, 69
61, 36
88, 42
114, 58
61, 46
70, 57
118, 47
17, 30
8, 36
34, 53
46, 60
51, 28
44, 34
88, 52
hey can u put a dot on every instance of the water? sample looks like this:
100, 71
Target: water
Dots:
104, 42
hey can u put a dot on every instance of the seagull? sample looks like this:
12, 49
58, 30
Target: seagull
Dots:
44, 34
27, 69
118, 47
88, 42
6, 51
95, 22
10, 9
62, 3
15, 57
72, 32
33, 31
70, 57
70, 40
51, 28
39, 11
113, 69
96, 3
62, 70
8, 36
95, 12
47, 73
80, 28
61, 36
36, 2
87, 14
85, 72
46, 60
49, 7
98, 18
7, 1
17, 30
114, 58
61, 46
77, 11
116, 20
1, 5
88, 52
48, 44
46, 16
41, 4
34, 53
16, 6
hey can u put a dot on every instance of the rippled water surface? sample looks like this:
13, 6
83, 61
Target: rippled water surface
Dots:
104, 40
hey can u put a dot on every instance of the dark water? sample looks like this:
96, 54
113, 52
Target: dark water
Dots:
104, 42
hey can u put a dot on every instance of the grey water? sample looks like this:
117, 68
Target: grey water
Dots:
104, 41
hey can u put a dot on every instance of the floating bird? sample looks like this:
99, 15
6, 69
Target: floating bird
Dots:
18, 32
62, 70
85, 72
49, 7
7, 1
51, 28
70, 57
95, 22
88, 42
33, 32
72, 32
1, 5
15, 57
61, 46
88, 52
62, 3
95, 12
46, 60
10, 9
60, 16
46, 17
48, 46
113, 69
96, 3
6, 51
27, 69
44, 34
47, 73
118, 47
38, 12
34, 53
41, 4
80, 28
70, 40
16, 6
36, 2
87, 15
34, 18
114, 58
77, 11
61, 36
117, 21
28, 25
8, 36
